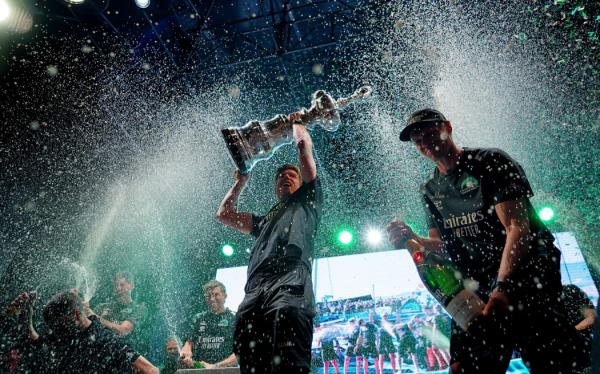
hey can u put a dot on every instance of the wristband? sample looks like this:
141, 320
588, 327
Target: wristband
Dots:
501, 286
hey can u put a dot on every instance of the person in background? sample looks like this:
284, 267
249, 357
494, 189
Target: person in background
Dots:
209, 339
368, 347
18, 336
352, 348
386, 343
441, 337
430, 329
326, 339
80, 344
172, 356
122, 315
407, 347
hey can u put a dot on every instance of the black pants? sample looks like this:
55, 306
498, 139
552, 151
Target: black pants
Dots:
274, 342
536, 326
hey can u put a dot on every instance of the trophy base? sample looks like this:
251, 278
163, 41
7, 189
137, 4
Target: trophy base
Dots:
233, 141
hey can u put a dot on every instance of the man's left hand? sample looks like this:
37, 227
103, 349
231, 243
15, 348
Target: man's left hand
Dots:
295, 117
209, 366
186, 361
498, 302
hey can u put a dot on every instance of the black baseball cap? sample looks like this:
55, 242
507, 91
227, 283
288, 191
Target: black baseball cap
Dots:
420, 118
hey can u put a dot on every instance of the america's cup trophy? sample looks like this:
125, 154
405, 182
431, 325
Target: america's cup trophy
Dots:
257, 140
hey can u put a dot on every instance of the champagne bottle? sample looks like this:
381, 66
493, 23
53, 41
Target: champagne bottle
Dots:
446, 285
198, 365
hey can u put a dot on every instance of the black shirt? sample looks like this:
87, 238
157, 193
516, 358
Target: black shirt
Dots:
576, 303
95, 350
279, 272
460, 205
211, 336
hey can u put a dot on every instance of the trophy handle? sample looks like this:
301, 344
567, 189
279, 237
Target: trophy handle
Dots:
361, 93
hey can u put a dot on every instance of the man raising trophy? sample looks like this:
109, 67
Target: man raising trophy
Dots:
273, 330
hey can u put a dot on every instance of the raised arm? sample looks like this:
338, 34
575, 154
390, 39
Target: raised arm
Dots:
22, 307
228, 214
119, 328
304, 144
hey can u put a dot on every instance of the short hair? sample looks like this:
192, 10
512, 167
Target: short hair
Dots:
61, 305
125, 275
212, 284
284, 167
173, 338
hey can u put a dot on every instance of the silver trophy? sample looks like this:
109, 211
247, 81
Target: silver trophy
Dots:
257, 141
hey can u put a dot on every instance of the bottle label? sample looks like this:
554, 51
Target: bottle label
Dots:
464, 307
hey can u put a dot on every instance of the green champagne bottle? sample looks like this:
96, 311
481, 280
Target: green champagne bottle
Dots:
446, 285
198, 365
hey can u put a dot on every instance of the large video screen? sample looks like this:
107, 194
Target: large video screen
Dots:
381, 296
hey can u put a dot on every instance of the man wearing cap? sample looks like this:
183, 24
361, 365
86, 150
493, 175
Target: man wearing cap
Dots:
274, 327
478, 212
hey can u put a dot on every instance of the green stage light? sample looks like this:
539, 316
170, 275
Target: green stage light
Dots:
345, 237
227, 250
546, 214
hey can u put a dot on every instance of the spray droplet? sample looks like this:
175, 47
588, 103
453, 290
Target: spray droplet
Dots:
234, 92
317, 69
52, 70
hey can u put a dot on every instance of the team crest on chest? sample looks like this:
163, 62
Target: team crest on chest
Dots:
223, 323
467, 184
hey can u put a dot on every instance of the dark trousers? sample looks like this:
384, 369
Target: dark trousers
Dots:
275, 342
536, 326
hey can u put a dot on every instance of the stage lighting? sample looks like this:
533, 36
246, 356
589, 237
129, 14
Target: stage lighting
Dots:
546, 214
74, 1
142, 3
4, 10
374, 237
345, 237
227, 250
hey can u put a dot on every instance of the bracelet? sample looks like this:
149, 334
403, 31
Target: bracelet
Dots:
501, 286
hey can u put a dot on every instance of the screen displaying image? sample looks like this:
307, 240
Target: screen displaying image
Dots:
379, 296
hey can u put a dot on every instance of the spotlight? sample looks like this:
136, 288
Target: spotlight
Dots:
345, 237
4, 10
227, 250
15, 19
374, 237
142, 3
546, 214
74, 1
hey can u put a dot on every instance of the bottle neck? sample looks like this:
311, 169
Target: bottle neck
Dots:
418, 257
